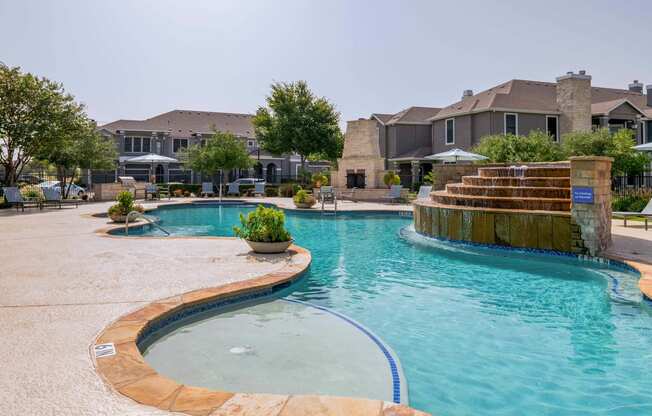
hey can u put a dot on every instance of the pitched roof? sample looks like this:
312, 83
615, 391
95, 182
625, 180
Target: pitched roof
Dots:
536, 97
607, 107
414, 154
383, 118
184, 123
414, 115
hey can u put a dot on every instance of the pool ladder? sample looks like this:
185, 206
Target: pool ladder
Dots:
151, 220
325, 211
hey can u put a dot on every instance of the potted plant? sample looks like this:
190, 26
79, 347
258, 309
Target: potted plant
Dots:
319, 179
391, 178
118, 212
264, 230
304, 200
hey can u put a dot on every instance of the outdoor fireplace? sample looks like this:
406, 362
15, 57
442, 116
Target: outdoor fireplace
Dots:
355, 179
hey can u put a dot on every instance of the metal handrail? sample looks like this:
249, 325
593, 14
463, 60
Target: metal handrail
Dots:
331, 195
150, 220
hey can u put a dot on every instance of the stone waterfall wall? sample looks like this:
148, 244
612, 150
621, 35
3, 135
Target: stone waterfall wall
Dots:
591, 220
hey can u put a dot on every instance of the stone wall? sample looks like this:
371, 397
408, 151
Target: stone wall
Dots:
592, 231
546, 231
109, 191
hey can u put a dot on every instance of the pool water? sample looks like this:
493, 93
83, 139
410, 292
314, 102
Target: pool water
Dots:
477, 330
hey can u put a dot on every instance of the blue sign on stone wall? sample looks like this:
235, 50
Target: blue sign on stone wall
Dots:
582, 195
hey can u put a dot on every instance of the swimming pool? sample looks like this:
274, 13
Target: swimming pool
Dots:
477, 330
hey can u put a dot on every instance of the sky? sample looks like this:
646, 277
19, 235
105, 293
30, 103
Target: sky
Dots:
135, 59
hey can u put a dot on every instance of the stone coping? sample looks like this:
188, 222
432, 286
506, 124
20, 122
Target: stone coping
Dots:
430, 203
126, 371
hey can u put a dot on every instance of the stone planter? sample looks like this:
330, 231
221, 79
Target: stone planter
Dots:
304, 205
269, 248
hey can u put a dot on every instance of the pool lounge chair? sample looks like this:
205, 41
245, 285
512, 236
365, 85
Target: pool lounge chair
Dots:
326, 192
152, 190
348, 194
53, 198
15, 199
259, 188
234, 188
424, 192
394, 193
646, 213
207, 189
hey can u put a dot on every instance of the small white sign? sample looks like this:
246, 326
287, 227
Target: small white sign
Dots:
104, 350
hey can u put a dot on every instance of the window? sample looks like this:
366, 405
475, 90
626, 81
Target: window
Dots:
552, 128
128, 144
147, 148
179, 144
202, 142
137, 144
511, 123
450, 131
251, 143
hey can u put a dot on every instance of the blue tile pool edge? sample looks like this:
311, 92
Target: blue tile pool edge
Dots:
399, 383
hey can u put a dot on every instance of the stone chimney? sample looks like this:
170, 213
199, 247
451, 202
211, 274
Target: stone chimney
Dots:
574, 102
649, 95
636, 87
467, 93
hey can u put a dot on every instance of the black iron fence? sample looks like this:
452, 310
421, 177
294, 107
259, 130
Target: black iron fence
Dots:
622, 185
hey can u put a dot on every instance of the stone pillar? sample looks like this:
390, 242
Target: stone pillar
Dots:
591, 203
574, 101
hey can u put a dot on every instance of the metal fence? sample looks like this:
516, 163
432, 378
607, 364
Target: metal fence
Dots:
622, 185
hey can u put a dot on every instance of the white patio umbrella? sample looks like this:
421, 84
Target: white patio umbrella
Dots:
152, 158
645, 147
456, 155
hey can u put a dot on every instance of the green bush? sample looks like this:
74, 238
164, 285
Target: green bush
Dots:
629, 203
303, 197
391, 178
271, 191
125, 205
508, 148
288, 190
195, 189
263, 225
32, 192
319, 179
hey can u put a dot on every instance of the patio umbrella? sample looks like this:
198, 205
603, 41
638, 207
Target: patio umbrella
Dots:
152, 158
456, 155
645, 147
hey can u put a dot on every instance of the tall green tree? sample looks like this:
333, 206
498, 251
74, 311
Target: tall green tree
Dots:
296, 121
28, 106
602, 142
221, 152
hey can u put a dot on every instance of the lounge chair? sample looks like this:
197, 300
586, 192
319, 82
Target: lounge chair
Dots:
348, 194
259, 188
163, 191
207, 189
152, 190
646, 213
424, 192
53, 198
394, 194
234, 188
15, 199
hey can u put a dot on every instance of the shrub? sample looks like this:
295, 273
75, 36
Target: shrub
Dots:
508, 148
263, 225
303, 197
178, 193
391, 178
195, 189
430, 178
32, 192
319, 179
288, 190
271, 191
629, 203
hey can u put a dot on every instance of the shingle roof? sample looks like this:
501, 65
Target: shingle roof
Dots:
534, 96
414, 115
415, 154
184, 123
606, 107
383, 118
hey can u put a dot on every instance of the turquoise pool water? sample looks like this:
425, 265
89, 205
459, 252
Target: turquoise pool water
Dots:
478, 331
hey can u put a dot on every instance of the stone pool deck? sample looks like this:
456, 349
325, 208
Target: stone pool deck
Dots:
62, 284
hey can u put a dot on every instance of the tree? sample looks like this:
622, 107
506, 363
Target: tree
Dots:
28, 106
223, 151
537, 146
618, 145
296, 121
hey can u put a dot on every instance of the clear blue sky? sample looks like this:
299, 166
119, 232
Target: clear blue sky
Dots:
134, 59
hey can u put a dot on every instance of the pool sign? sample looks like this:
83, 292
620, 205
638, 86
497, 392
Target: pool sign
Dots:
104, 350
582, 195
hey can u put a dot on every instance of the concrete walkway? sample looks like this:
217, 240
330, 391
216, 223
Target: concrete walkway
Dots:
61, 284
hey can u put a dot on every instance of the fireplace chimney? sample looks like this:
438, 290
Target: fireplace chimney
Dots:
636, 87
649, 95
574, 102
467, 93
